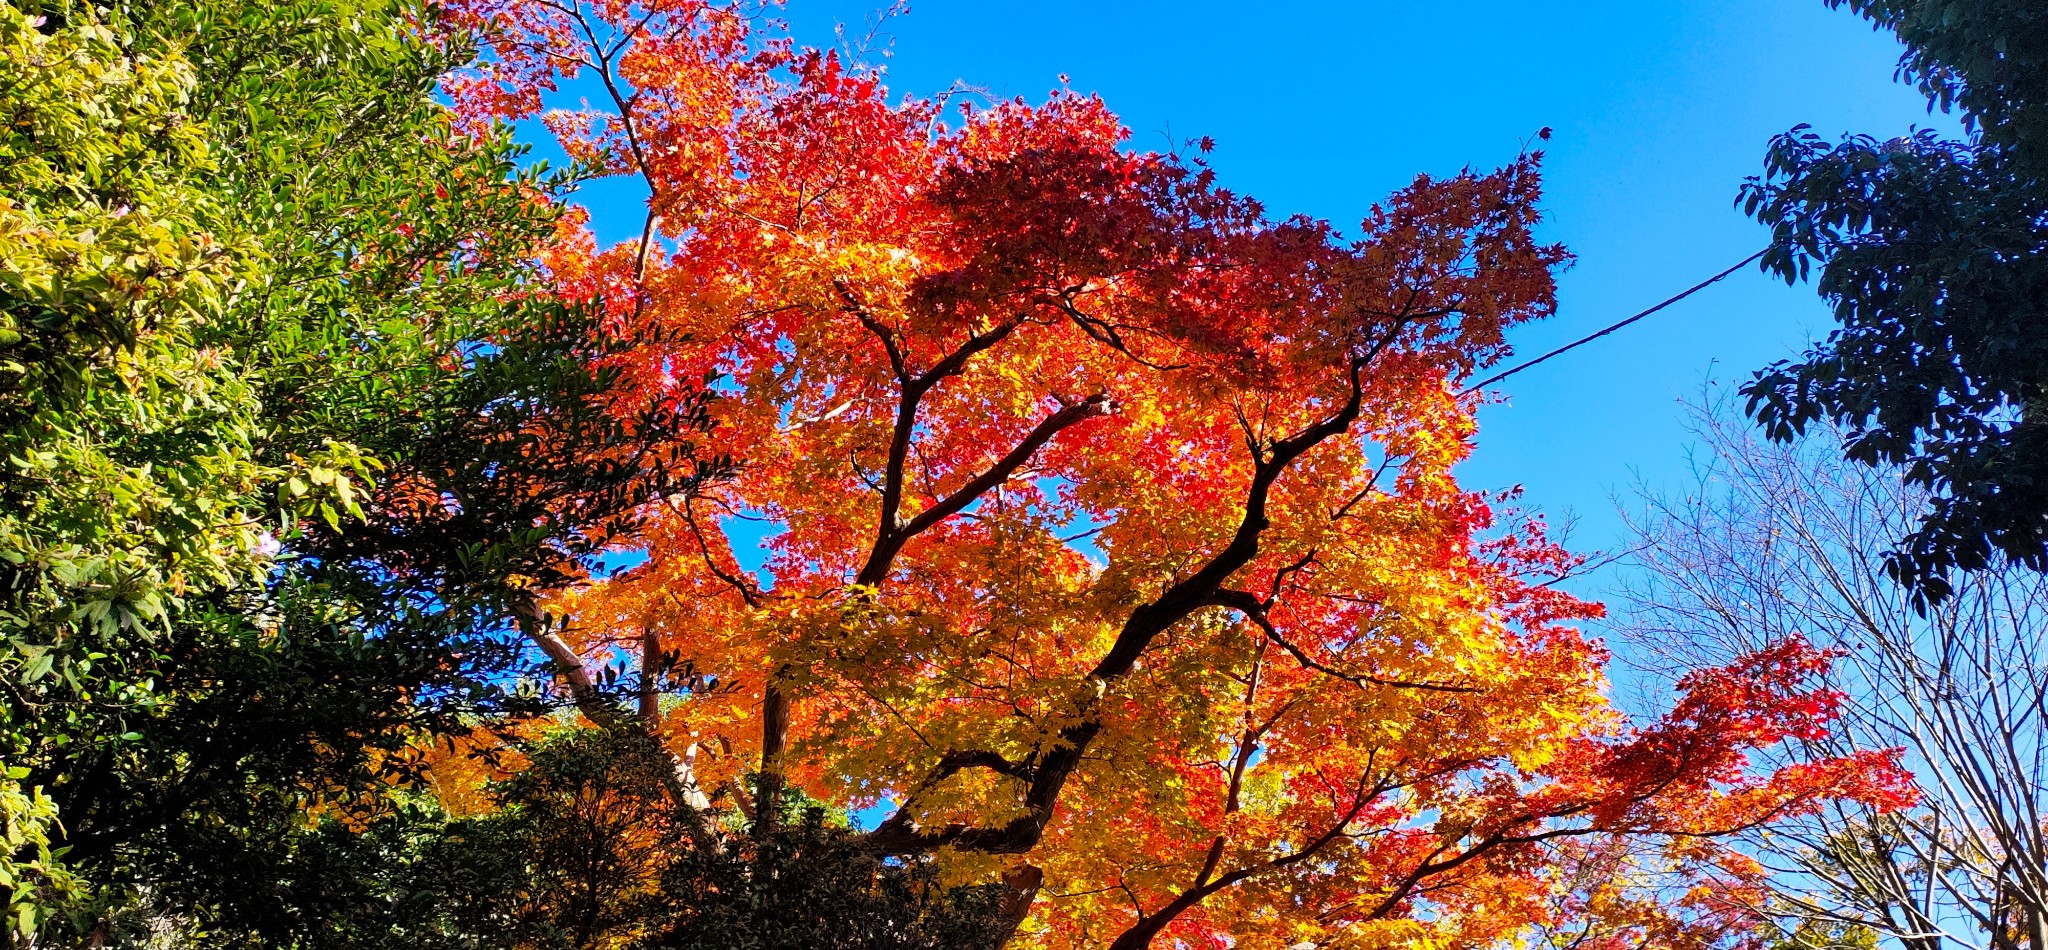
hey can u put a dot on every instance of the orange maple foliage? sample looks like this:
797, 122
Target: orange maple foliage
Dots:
1113, 523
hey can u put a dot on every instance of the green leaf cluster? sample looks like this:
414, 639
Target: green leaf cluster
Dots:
1934, 256
125, 443
245, 266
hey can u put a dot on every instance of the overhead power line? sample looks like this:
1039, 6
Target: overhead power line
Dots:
1582, 341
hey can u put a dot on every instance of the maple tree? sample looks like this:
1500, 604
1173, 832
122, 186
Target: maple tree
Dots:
1114, 548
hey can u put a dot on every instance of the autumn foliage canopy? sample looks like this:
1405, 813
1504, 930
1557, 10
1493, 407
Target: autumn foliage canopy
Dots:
1114, 549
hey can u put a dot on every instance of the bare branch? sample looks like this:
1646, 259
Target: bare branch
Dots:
1255, 610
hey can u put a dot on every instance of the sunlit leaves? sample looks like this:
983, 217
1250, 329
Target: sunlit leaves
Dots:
1110, 521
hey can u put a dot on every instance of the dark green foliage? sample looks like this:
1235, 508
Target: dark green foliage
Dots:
568, 859
525, 466
408, 879
581, 851
391, 628
1934, 255
812, 886
589, 818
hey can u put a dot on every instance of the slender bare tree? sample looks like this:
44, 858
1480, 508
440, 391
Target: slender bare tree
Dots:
1781, 540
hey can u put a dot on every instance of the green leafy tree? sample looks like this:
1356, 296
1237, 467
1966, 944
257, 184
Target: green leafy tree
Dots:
1934, 255
256, 295
125, 443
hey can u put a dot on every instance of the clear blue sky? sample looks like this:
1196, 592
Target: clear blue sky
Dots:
1322, 107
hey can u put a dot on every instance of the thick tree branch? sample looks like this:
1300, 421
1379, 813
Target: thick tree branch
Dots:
1149, 926
774, 742
889, 532
1020, 887
953, 763
679, 780
651, 668
883, 555
1053, 765
567, 664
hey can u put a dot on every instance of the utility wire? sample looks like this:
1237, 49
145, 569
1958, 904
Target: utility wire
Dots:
1582, 341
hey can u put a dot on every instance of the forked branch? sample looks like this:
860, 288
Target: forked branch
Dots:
1255, 610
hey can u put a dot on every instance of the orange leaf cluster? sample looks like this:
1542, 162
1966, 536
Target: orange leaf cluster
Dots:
1113, 520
